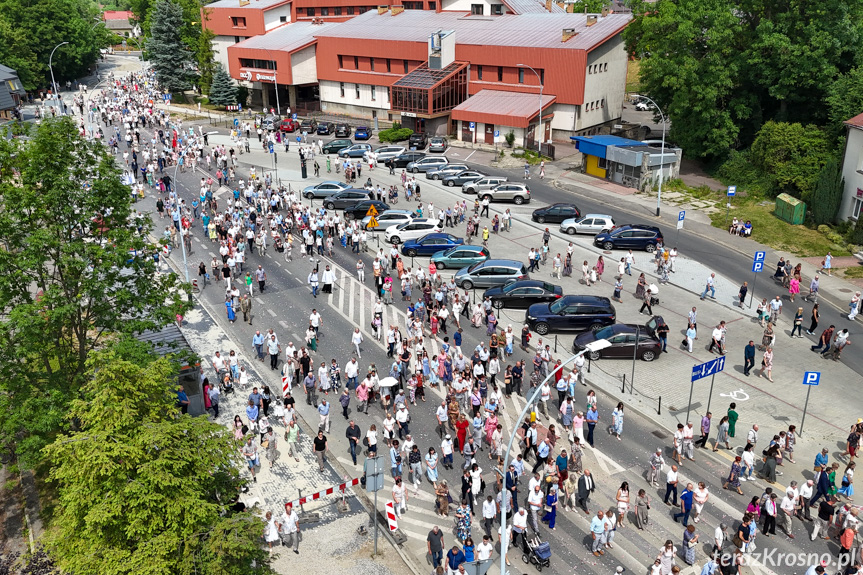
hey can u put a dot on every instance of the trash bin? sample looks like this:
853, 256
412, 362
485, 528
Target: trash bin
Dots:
790, 209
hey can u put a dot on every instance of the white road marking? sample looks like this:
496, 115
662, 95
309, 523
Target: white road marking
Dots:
271, 312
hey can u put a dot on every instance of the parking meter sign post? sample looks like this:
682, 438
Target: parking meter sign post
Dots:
757, 266
810, 379
680, 217
710, 368
732, 191
374, 471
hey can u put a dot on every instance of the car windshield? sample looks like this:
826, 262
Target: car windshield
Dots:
557, 306
605, 332
474, 267
510, 287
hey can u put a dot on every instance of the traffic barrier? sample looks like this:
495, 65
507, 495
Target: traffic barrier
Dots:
391, 516
323, 493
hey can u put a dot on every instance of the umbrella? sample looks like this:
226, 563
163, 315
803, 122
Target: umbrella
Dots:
388, 382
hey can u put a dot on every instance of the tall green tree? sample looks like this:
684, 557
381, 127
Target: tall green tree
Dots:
792, 154
144, 490
68, 281
845, 100
223, 91
827, 195
169, 56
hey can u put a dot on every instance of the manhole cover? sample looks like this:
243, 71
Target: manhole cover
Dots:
609, 253
781, 418
661, 434
846, 290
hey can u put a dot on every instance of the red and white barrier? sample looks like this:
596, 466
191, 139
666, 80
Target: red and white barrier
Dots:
391, 516
328, 491
285, 384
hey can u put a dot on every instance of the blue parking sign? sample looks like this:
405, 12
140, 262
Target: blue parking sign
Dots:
472, 125
293, 116
496, 133
759, 256
812, 378
757, 266
271, 147
680, 215
732, 190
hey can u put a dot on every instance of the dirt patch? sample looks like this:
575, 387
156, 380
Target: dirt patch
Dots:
694, 175
13, 539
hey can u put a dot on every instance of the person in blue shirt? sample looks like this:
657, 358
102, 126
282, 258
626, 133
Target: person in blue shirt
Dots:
258, 343
252, 413
182, 400
542, 452
454, 558
592, 418
456, 340
685, 504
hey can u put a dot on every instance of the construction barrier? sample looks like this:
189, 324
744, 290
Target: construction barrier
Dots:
391, 516
328, 491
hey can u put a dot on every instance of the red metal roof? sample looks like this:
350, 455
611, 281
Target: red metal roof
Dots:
501, 108
118, 15
856, 121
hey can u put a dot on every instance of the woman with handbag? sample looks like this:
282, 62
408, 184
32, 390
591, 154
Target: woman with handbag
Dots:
442, 503
269, 444
642, 507
550, 516
690, 540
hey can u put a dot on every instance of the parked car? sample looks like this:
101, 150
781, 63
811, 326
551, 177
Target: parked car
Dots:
324, 189
343, 131
430, 244
483, 184
587, 224
360, 209
383, 153
461, 178
289, 125
346, 199
271, 122
444, 171
427, 163
362, 133
438, 144
642, 106
405, 158
309, 126
412, 230
622, 337
460, 256
518, 193
355, 151
388, 218
571, 313
632, 236
418, 141
523, 294
326, 128
336, 146
491, 273
555, 213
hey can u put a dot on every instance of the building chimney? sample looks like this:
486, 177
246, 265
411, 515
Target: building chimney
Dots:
567, 34
383, 10
395, 10
591, 20
548, 5
604, 11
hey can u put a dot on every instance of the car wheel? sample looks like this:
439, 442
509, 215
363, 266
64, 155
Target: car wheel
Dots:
541, 328
486, 197
595, 327
571, 231
608, 246
349, 215
395, 240
648, 355
435, 177
518, 200
467, 284
440, 265
650, 248
450, 183
330, 206
497, 303
594, 355
309, 196
411, 253
415, 170
540, 220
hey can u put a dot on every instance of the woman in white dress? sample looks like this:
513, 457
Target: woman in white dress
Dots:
271, 531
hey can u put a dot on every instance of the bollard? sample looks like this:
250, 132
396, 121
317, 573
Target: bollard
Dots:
623, 388
659, 407
342, 505
555, 344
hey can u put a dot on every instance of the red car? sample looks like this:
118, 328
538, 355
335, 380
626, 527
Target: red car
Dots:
289, 125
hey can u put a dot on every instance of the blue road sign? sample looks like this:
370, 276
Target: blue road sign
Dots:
496, 133
680, 215
271, 147
293, 116
757, 267
811, 378
472, 125
240, 107
236, 122
759, 256
732, 190
711, 367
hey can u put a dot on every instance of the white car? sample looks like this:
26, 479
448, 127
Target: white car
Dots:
388, 219
588, 224
385, 153
642, 106
412, 230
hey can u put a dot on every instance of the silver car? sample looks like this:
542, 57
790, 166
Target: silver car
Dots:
385, 153
491, 273
518, 193
588, 224
482, 184
324, 189
444, 171
427, 163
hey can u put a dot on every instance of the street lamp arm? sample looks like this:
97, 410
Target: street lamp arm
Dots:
539, 117
662, 150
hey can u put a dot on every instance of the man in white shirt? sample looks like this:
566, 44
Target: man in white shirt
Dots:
806, 492
315, 321
535, 500
442, 419
446, 449
352, 370
218, 362
688, 447
400, 497
787, 507
484, 549
290, 525
519, 527
719, 538
671, 485
489, 511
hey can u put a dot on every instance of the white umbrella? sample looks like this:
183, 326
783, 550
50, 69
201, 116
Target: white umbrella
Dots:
388, 382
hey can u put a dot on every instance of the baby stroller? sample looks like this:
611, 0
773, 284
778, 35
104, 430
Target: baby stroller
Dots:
226, 382
654, 294
539, 553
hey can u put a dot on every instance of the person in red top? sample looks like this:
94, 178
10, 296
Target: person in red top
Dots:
461, 427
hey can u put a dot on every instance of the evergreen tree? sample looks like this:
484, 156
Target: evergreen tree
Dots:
827, 196
168, 54
223, 90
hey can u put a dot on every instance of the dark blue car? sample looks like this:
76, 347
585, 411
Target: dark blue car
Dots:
430, 244
362, 133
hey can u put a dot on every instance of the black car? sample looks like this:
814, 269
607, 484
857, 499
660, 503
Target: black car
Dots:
571, 313
308, 126
632, 236
405, 158
622, 338
343, 131
359, 211
345, 198
336, 146
555, 213
418, 141
326, 128
522, 294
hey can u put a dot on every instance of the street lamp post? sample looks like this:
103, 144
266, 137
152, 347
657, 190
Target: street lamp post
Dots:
51, 68
662, 158
539, 118
592, 346
276, 84
180, 220
87, 105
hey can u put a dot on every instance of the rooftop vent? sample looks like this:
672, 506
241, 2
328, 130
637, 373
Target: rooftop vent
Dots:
567, 34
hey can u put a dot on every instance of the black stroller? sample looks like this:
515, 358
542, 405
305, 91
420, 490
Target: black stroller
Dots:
226, 381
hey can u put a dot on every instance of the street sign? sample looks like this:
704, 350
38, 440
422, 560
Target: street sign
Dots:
293, 116
271, 147
372, 211
757, 267
373, 223
711, 367
759, 256
812, 378
240, 107
236, 122
680, 216
732, 190
496, 133
374, 470
472, 125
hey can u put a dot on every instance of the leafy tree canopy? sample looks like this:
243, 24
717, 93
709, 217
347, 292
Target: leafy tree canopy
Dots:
845, 99
792, 154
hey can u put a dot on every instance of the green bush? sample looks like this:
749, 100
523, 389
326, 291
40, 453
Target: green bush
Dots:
395, 134
510, 138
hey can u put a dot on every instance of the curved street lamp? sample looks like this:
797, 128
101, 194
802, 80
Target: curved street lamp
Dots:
662, 157
51, 68
538, 118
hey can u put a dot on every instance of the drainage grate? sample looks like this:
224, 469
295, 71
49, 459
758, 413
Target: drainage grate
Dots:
661, 434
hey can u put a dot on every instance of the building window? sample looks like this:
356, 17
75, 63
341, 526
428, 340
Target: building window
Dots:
605, 67
497, 9
406, 66
479, 72
310, 11
237, 39
521, 75
856, 206
341, 62
387, 93
325, 11
337, 11
356, 63
283, 19
350, 10
542, 77
374, 92
602, 103
500, 73
476, 9
372, 64
357, 90
389, 66
260, 64
342, 89
238, 21
433, 6
363, 9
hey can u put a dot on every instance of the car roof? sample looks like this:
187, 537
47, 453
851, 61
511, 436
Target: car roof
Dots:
532, 283
638, 227
436, 235
423, 220
510, 263
353, 190
362, 127
606, 216
567, 204
584, 298
468, 247
400, 212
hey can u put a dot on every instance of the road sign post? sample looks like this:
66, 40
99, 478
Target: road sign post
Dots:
810, 379
374, 471
680, 216
757, 266
710, 368
732, 190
